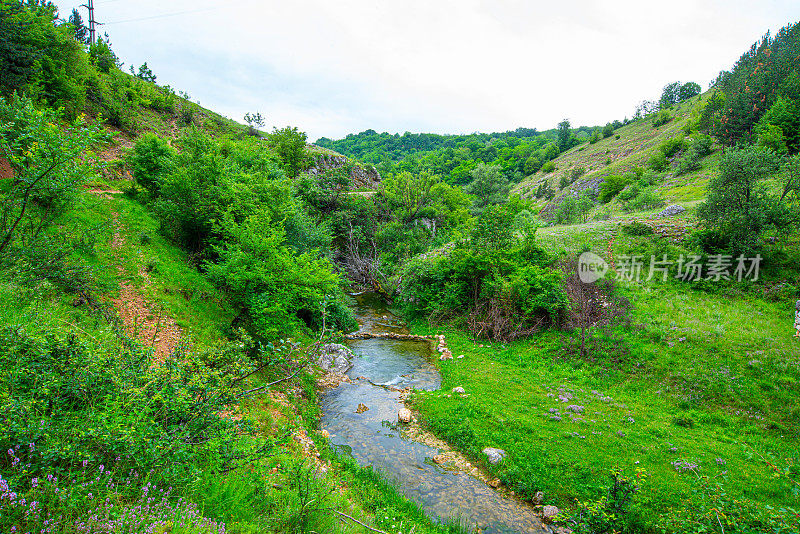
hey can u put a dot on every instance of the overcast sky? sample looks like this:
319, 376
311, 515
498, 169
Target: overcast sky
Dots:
333, 67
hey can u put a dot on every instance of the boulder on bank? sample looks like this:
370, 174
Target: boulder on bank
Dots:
335, 358
495, 456
404, 415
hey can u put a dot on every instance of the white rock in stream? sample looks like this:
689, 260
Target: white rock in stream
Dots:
404, 415
335, 358
495, 456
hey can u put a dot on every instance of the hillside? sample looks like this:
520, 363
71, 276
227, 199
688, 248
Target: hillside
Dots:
207, 328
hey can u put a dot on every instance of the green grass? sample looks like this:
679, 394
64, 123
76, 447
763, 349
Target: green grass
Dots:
727, 391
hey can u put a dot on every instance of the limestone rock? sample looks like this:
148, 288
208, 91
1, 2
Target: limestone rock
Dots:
325, 434
671, 211
458, 389
494, 456
335, 358
538, 498
495, 483
439, 459
549, 512
404, 415
361, 408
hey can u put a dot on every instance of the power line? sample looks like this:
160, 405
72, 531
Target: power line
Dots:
165, 15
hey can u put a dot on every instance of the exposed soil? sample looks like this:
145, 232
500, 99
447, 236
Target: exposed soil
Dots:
143, 320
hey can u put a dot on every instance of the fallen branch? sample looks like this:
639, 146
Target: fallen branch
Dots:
265, 386
359, 522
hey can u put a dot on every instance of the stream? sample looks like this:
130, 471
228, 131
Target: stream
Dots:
373, 437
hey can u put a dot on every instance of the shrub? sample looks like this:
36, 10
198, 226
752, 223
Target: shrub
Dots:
49, 165
658, 162
150, 160
612, 185
548, 167
645, 199
670, 147
689, 162
576, 173
662, 118
504, 294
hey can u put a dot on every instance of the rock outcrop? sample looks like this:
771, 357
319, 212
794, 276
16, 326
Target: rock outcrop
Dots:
671, 211
361, 176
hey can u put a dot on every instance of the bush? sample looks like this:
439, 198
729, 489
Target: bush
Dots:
670, 147
150, 161
504, 294
548, 167
662, 118
645, 199
132, 415
612, 185
658, 162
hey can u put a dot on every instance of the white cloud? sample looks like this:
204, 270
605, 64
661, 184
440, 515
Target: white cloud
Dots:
333, 68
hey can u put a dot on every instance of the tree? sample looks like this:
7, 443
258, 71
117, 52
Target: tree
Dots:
102, 57
564, 131
740, 206
488, 185
81, 31
584, 205
254, 121
150, 160
608, 130
145, 73
49, 164
688, 90
290, 145
670, 95
17, 56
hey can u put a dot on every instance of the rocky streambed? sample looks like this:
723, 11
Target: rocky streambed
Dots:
361, 415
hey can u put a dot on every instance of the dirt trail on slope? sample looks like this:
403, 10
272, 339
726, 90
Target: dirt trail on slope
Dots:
143, 320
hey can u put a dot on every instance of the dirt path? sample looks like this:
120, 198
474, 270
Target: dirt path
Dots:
143, 320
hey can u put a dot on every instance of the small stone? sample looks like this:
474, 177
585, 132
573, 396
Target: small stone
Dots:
325, 434
460, 356
495, 483
549, 512
458, 389
439, 459
361, 408
495, 456
404, 415
538, 498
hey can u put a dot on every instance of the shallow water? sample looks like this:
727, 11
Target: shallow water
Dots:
372, 437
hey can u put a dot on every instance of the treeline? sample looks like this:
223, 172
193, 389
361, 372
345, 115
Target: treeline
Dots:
757, 100
754, 111
516, 153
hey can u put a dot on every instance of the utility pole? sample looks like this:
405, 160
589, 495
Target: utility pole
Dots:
92, 21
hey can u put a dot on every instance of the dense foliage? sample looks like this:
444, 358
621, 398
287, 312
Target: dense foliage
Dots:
757, 98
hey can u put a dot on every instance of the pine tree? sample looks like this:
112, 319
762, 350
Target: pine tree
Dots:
81, 31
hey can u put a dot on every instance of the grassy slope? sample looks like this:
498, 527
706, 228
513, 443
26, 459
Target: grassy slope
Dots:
636, 144
265, 495
711, 378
